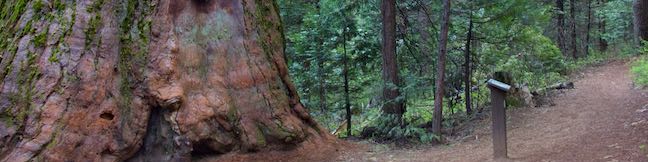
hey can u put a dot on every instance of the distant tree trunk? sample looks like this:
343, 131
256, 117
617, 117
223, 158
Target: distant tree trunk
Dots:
423, 19
572, 9
640, 8
467, 71
603, 45
589, 27
391, 81
427, 46
347, 99
560, 4
321, 78
165, 80
438, 97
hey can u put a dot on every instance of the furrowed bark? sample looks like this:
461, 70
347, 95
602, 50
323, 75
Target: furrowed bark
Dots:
560, 4
640, 8
390, 76
115, 80
589, 27
572, 10
437, 119
467, 71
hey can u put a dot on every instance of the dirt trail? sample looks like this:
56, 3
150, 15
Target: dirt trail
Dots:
603, 119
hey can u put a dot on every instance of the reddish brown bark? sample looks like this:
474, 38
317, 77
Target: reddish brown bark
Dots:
574, 45
345, 75
424, 19
603, 45
467, 69
560, 4
589, 27
156, 80
443, 42
640, 8
390, 63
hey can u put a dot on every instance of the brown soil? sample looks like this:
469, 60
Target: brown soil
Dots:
603, 119
318, 149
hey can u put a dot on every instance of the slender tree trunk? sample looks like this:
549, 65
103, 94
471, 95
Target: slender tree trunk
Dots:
133, 80
426, 47
391, 81
438, 97
603, 45
589, 27
320, 68
467, 69
321, 78
640, 8
572, 10
347, 99
425, 39
560, 4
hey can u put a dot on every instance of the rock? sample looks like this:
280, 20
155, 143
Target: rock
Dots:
637, 123
521, 96
526, 96
644, 109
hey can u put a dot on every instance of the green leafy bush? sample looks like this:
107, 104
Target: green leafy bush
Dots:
640, 71
388, 127
537, 62
639, 68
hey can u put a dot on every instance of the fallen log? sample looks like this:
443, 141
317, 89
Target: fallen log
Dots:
564, 85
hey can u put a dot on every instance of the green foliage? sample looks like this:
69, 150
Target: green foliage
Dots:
40, 39
387, 129
59, 5
513, 36
11, 10
95, 6
91, 31
38, 6
617, 15
94, 23
640, 71
644, 48
538, 62
319, 35
594, 58
134, 37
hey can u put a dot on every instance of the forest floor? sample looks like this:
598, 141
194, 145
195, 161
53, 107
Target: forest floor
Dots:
603, 119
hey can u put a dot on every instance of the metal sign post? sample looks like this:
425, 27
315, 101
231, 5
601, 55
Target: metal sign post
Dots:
498, 92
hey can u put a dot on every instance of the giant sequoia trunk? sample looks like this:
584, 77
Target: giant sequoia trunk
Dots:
114, 80
641, 18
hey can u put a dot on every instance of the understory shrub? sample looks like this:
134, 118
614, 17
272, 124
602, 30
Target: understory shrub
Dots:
640, 71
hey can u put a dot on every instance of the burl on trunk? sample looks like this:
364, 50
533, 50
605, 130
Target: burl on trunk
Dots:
115, 80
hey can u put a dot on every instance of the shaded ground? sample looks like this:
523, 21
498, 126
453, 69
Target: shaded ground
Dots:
603, 119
